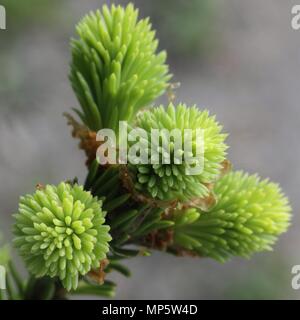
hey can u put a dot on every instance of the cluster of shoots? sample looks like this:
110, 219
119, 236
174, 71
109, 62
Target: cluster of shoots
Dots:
71, 236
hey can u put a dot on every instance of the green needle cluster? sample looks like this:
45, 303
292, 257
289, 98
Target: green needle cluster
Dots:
115, 69
187, 202
60, 232
249, 216
171, 181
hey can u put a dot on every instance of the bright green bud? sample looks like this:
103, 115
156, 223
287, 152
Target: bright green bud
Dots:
60, 232
115, 69
248, 217
172, 180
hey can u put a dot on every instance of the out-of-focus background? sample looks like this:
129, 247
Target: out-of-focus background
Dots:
240, 59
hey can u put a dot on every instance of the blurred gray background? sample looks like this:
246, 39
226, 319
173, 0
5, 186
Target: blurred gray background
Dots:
240, 59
